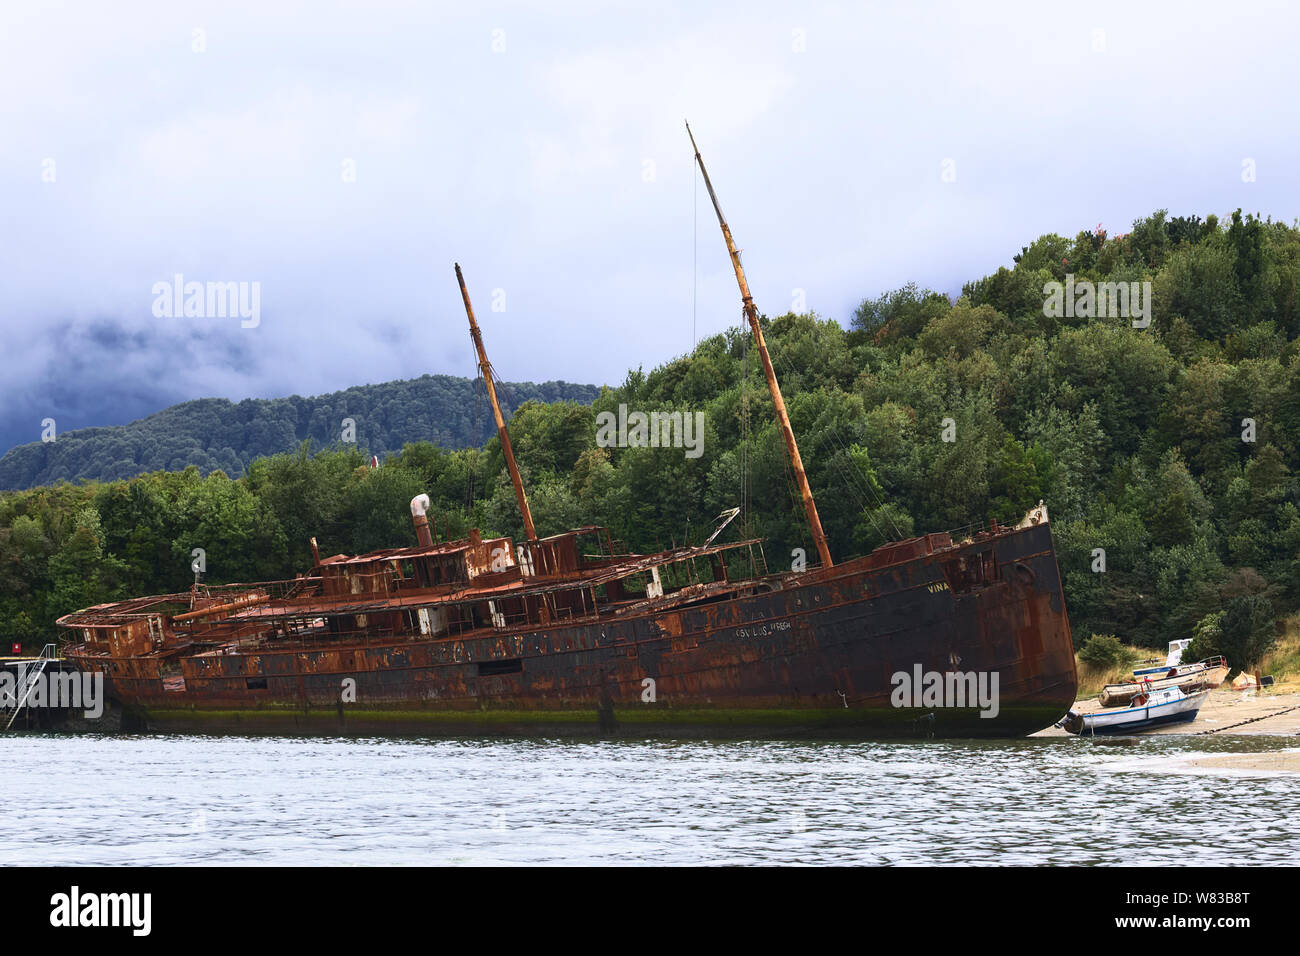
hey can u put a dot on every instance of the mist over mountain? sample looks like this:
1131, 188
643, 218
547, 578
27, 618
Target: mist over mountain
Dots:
216, 433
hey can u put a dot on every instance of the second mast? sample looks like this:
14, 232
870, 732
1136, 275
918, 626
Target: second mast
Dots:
751, 313
486, 368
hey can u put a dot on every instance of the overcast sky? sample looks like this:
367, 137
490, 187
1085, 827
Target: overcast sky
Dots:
544, 150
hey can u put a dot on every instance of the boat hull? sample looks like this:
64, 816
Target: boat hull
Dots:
1135, 720
1120, 695
819, 654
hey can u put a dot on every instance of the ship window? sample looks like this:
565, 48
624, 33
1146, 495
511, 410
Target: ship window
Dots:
492, 668
255, 683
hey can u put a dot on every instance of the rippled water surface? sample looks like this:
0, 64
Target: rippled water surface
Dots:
282, 800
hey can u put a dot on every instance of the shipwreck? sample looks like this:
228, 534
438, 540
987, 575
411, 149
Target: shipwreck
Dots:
570, 634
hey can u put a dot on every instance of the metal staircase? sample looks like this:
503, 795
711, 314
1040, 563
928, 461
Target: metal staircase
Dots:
28, 680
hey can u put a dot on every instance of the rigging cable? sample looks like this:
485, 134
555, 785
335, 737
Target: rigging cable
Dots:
695, 248
477, 448
746, 480
841, 459
852, 475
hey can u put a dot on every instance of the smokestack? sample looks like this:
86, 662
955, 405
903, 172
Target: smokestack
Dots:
419, 505
315, 554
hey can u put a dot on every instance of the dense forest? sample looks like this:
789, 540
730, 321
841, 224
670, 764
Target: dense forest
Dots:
1167, 454
213, 433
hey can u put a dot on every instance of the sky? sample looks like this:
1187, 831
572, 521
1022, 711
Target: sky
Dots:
341, 156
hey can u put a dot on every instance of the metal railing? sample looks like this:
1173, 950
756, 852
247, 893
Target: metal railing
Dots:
31, 673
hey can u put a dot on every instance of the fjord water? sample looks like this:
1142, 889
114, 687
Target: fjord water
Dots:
72, 800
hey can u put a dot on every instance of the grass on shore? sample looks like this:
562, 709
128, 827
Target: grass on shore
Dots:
1282, 662
1093, 678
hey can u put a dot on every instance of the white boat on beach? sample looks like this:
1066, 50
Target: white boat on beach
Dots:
1203, 675
1150, 709
1172, 659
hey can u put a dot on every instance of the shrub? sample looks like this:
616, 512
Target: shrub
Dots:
1102, 650
1243, 632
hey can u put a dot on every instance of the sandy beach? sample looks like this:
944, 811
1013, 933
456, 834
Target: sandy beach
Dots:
1288, 760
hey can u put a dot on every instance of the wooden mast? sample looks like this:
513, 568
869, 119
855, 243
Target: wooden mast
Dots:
751, 313
485, 367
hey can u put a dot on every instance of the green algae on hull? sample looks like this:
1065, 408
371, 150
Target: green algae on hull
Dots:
666, 722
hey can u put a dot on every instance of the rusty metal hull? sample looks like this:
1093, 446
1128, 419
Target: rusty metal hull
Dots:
817, 654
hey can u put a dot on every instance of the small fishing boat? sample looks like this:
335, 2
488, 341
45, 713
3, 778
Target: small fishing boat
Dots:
1172, 659
1150, 709
1203, 675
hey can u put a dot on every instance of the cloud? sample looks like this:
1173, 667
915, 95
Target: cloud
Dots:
558, 172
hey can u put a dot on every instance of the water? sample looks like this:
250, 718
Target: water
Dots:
289, 801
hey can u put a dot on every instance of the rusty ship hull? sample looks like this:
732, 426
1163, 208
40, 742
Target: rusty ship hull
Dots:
816, 653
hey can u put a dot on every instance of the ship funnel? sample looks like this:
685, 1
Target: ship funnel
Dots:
419, 505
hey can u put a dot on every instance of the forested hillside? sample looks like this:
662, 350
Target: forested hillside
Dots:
1173, 449
213, 433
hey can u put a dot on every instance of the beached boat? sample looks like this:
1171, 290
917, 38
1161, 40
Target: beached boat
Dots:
1167, 706
936, 635
1172, 659
1203, 675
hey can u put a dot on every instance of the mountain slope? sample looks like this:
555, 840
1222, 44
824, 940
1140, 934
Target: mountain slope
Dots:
214, 433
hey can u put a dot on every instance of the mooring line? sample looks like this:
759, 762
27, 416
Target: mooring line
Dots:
1217, 730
